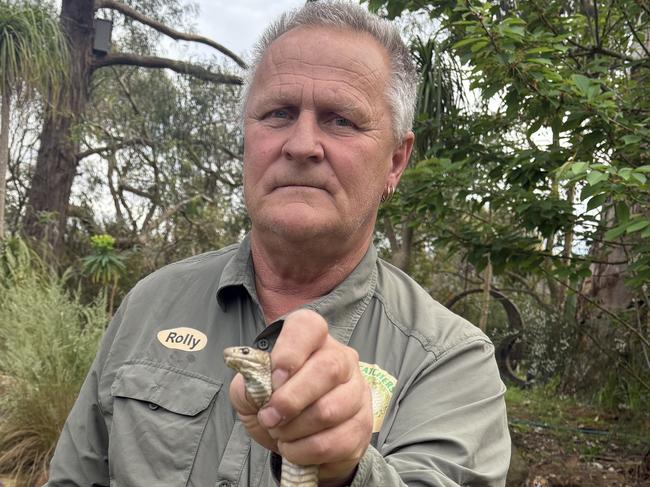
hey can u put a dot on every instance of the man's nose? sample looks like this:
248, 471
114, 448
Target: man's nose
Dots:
304, 140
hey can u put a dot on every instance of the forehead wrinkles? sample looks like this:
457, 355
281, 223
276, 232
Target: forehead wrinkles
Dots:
291, 58
290, 71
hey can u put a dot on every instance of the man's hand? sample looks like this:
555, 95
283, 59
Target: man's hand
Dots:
321, 409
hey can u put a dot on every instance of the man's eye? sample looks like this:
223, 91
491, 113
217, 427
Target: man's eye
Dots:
342, 122
280, 113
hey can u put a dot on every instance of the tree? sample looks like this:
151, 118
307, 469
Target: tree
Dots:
166, 151
548, 174
439, 97
33, 60
59, 152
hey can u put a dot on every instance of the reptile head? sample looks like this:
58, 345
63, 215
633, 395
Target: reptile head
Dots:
244, 359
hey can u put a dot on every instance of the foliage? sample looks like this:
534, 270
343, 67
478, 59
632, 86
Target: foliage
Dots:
571, 80
33, 59
545, 405
104, 265
545, 176
170, 164
33, 51
47, 342
18, 262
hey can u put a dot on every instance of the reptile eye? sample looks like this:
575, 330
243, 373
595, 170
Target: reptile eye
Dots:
244, 351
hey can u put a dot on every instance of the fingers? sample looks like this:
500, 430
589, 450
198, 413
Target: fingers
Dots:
329, 367
321, 408
304, 331
335, 407
338, 449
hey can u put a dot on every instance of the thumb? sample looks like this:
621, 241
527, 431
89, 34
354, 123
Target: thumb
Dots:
247, 412
239, 398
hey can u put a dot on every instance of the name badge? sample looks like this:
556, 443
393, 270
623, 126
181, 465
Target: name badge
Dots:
183, 338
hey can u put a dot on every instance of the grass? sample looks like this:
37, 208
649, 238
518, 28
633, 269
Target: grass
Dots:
578, 424
47, 342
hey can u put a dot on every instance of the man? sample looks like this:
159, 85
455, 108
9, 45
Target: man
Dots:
373, 380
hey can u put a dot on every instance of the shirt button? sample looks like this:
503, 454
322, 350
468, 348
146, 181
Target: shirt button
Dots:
263, 344
153, 406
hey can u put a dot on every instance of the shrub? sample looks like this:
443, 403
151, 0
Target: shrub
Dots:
47, 342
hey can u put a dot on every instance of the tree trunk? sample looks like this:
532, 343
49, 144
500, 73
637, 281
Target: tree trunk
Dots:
401, 249
56, 163
4, 155
58, 155
604, 347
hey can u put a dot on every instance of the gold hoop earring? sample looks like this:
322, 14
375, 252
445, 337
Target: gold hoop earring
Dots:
388, 193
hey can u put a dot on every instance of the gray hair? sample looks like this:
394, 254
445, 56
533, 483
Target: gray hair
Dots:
402, 85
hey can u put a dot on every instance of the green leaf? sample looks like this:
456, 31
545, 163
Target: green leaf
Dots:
615, 232
644, 169
467, 41
625, 173
640, 177
638, 225
631, 139
479, 45
592, 139
579, 167
582, 82
595, 177
512, 31
588, 191
539, 60
622, 211
597, 201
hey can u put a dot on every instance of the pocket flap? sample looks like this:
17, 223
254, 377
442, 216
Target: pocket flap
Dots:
175, 390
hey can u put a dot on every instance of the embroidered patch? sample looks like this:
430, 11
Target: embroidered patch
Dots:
183, 338
382, 385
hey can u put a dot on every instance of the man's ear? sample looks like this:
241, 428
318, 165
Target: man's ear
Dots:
400, 159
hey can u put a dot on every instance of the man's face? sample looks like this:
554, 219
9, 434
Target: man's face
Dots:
318, 143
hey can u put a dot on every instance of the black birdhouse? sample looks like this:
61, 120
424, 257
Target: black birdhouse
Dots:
102, 40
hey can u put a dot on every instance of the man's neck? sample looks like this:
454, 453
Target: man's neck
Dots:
287, 276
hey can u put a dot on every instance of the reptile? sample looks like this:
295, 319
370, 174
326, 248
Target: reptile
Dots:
255, 366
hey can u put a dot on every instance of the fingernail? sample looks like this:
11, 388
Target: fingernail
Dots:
269, 417
278, 378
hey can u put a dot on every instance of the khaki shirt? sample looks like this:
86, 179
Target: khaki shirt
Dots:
154, 409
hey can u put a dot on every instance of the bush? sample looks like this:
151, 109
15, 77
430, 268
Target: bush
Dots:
48, 340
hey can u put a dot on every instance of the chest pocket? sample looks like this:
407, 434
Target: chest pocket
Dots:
159, 415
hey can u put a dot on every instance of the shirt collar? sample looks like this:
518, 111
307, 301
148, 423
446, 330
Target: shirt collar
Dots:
342, 307
238, 273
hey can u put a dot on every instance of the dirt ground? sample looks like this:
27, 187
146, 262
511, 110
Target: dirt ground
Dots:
560, 443
580, 459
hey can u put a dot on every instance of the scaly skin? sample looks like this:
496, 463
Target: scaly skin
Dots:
255, 366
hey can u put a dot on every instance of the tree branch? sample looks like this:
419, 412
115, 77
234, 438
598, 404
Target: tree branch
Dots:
634, 33
390, 234
642, 4
168, 31
124, 59
114, 147
168, 213
137, 191
594, 303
